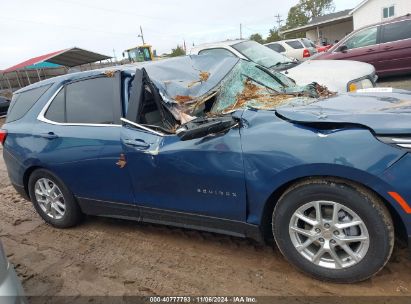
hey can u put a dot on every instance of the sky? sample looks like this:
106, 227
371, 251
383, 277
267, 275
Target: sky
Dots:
32, 28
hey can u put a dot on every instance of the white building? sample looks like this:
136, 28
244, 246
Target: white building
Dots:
374, 11
335, 26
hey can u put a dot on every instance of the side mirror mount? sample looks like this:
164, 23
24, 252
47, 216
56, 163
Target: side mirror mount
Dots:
201, 127
342, 49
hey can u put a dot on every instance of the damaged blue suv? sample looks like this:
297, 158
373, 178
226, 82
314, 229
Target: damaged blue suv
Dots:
222, 145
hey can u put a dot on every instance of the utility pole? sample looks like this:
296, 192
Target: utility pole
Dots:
241, 31
141, 34
278, 21
114, 54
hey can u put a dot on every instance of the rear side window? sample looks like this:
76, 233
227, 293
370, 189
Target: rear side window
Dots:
217, 52
308, 43
276, 47
21, 103
88, 101
295, 44
396, 31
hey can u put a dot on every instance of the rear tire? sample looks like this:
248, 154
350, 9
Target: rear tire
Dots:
333, 230
52, 199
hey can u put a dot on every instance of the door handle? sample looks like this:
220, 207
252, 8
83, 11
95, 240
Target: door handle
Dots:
138, 143
370, 50
49, 135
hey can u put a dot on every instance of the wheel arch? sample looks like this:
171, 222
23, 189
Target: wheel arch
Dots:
26, 177
266, 219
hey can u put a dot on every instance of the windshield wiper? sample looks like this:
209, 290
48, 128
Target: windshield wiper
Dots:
281, 63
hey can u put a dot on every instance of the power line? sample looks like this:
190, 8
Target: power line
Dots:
141, 34
278, 21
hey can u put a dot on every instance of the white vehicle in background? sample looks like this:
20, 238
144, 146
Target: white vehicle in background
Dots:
11, 291
337, 75
301, 48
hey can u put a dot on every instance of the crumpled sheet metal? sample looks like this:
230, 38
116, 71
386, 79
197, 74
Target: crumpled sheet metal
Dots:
185, 83
189, 78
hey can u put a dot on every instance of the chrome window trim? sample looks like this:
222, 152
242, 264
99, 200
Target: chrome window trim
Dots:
141, 127
401, 140
43, 111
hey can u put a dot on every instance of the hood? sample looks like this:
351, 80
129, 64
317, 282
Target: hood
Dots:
385, 112
334, 74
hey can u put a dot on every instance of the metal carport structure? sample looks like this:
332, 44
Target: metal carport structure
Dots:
47, 66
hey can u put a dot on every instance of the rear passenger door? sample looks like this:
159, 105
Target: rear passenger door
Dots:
78, 139
395, 47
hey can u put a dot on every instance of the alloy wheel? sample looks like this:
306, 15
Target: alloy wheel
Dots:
50, 198
329, 234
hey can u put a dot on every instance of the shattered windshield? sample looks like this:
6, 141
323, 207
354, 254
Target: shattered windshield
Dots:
261, 54
250, 86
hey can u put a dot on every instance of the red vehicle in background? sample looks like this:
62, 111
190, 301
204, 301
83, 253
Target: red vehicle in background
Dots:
323, 48
386, 45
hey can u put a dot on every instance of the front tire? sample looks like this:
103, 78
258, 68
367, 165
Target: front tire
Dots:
52, 199
333, 230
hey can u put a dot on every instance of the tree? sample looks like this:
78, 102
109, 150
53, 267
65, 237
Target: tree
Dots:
178, 51
315, 8
273, 36
296, 17
257, 37
305, 10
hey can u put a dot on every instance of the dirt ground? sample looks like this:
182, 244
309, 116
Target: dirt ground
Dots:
399, 82
118, 257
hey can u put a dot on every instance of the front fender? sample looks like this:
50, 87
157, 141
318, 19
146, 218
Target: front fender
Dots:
260, 196
277, 152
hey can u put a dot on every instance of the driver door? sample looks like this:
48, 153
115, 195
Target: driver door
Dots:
204, 176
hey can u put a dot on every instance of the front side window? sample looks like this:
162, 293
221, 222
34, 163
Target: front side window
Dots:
363, 38
88, 101
396, 31
388, 12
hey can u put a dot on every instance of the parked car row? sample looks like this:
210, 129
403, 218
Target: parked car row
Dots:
11, 291
4, 105
338, 76
294, 48
386, 45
